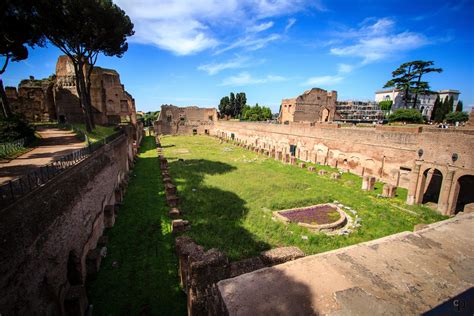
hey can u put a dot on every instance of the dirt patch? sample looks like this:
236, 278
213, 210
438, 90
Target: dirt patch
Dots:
315, 215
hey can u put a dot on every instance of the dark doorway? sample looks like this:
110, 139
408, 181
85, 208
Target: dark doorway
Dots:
466, 192
434, 179
232, 136
293, 150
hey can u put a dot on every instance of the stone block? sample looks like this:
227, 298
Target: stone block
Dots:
245, 266
336, 176
368, 183
302, 165
172, 200
102, 242
75, 302
93, 260
322, 172
174, 213
389, 190
180, 225
109, 216
170, 188
468, 208
311, 169
281, 255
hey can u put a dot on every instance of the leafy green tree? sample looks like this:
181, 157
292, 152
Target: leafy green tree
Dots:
82, 30
231, 109
437, 112
406, 115
407, 78
17, 30
454, 117
459, 106
224, 106
386, 105
240, 102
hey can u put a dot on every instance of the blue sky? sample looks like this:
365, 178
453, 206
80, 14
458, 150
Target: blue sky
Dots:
193, 52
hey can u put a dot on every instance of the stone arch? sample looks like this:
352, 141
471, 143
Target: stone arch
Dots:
432, 180
463, 193
324, 115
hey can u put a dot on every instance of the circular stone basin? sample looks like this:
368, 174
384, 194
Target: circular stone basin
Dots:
315, 217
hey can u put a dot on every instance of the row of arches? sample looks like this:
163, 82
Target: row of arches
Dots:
462, 190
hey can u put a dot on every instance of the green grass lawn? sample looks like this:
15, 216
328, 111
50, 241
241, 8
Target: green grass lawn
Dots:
146, 279
228, 193
97, 133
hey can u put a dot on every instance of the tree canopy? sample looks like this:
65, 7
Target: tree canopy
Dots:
407, 78
406, 115
256, 113
17, 31
232, 105
454, 117
82, 29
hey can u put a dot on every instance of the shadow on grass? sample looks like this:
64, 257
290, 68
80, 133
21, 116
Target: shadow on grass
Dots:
139, 276
216, 215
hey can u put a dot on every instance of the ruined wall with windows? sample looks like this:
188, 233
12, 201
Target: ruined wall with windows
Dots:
111, 103
34, 99
189, 120
315, 105
395, 155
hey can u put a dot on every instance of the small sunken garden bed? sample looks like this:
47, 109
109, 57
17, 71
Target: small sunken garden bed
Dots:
321, 217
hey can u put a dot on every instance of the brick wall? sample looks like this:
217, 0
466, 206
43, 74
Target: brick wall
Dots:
47, 236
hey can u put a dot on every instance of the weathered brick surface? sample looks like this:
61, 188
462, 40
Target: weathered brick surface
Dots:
64, 216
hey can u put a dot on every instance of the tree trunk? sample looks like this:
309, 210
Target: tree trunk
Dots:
88, 94
80, 86
6, 111
417, 88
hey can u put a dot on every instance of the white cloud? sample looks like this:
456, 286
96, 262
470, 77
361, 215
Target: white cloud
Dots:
345, 68
323, 80
251, 43
377, 40
215, 68
260, 27
188, 26
244, 78
290, 24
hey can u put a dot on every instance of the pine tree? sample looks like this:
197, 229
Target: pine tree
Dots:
459, 106
450, 105
436, 108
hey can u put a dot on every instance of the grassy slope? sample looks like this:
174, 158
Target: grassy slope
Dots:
98, 133
147, 277
228, 194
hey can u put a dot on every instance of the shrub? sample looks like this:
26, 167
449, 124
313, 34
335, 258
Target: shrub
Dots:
385, 105
14, 128
406, 115
457, 117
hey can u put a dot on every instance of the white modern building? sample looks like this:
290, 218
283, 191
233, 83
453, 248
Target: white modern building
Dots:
425, 102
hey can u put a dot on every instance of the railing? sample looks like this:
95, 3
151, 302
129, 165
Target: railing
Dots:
11, 147
17, 188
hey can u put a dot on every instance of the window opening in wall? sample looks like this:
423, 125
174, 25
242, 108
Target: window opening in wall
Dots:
293, 150
211, 118
168, 118
232, 136
206, 131
195, 131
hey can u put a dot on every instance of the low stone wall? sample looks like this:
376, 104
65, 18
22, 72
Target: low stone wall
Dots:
200, 271
50, 240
